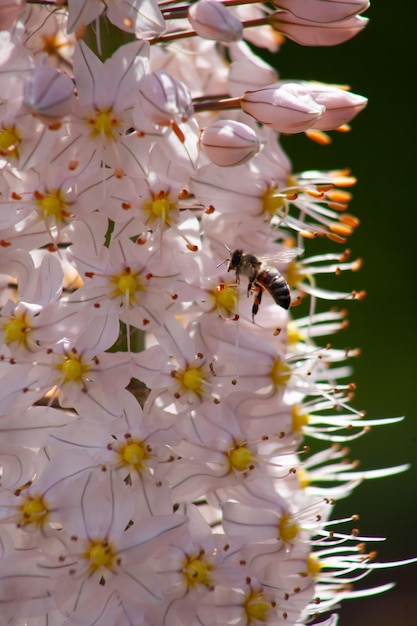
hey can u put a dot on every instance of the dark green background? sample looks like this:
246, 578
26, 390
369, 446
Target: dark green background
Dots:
380, 63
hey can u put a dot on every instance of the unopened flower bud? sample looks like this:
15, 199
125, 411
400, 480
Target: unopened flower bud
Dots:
163, 100
212, 20
323, 11
310, 33
48, 92
341, 106
228, 143
286, 107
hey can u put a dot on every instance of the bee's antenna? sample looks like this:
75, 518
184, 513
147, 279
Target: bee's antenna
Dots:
224, 260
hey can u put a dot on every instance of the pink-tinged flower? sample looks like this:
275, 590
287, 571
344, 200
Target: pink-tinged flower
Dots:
312, 33
102, 112
285, 107
250, 603
192, 568
38, 319
131, 279
133, 447
54, 203
262, 518
176, 369
228, 143
212, 20
323, 11
216, 454
100, 546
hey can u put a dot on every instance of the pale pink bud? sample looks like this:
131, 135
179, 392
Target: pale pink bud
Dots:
341, 106
212, 20
308, 33
48, 92
323, 11
287, 108
9, 12
164, 99
228, 143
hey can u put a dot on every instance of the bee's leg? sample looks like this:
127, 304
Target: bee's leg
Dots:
250, 286
257, 301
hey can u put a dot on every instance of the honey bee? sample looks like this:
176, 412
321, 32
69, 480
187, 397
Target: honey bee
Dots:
262, 277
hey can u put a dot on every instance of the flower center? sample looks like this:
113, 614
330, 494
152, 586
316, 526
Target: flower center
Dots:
127, 284
73, 369
271, 202
280, 373
257, 607
160, 207
287, 528
134, 453
241, 459
295, 273
16, 330
33, 511
51, 204
100, 554
191, 379
313, 566
294, 334
196, 571
9, 138
103, 124
299, 419
226, 299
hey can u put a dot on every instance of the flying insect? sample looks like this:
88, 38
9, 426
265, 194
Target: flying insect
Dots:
262, 277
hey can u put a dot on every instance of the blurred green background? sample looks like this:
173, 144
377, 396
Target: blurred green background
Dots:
380, 63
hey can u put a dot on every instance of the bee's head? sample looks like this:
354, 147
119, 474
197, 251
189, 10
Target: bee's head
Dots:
235, 260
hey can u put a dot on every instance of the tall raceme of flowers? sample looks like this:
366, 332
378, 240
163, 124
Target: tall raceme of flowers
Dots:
154, 423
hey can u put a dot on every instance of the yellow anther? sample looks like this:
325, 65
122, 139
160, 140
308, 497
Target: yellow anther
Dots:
197, 571
272, 202
287, 528
191, 379
280, 373
16, 330
300, 419
241, 458
100, 555
133, 454
33, 511
257, 607
159, 207
73, 369
103, 123
313, 566
226, 299
9, 138
295, 273
52, 204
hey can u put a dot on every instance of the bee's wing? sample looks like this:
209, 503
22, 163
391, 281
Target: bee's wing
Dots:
283, 256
